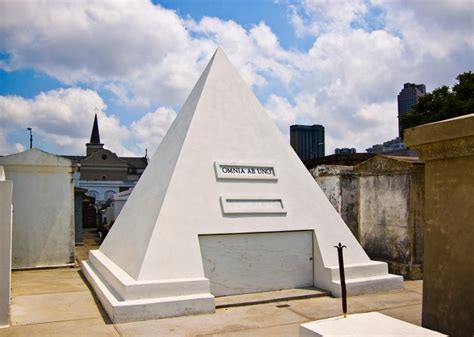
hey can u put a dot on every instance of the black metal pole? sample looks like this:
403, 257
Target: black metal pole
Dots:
342, 277
31, 137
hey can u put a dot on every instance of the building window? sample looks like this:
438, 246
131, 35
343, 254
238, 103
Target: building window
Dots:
93, 194
104, 177
108, 195
104, 157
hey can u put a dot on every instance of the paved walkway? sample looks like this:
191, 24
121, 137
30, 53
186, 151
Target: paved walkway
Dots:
58, 302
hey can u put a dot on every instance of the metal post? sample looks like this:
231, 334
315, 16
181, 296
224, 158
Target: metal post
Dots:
31, 137
342, 277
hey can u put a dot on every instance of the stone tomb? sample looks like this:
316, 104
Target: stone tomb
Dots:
6, 214
224, 207
43, 199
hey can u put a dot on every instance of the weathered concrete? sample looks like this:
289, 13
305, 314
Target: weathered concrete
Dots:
391, 198
47, 281
340, 184
84, 317
43, 199
53, 307
6, 189
447, 148
72, 328
269, 297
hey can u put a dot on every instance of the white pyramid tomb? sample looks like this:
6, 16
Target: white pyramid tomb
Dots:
224, 207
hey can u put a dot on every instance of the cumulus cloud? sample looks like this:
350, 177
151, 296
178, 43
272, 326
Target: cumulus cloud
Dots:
315, 17
6, 147
151, 128
355, 68
64, 118
88, 40
140, 52
148, 56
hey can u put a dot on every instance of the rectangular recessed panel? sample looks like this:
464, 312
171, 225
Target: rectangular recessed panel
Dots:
238, 171
250, 205
256, 262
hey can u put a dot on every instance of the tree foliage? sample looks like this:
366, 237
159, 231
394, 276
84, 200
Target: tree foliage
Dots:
443, 103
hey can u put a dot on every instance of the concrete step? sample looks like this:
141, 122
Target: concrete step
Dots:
269, 297
372, 284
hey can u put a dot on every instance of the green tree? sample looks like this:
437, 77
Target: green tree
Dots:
443, 103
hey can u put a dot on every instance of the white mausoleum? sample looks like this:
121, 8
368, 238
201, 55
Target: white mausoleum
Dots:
224, 207
43, 201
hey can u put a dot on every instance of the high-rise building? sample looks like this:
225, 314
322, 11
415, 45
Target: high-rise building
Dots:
307, 141
407, 98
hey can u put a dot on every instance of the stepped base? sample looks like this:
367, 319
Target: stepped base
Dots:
140, 307
367, 285
363, 278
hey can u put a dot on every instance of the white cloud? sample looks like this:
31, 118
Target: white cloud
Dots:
150, 57
64, 118
6, 147
315, 17
151, 128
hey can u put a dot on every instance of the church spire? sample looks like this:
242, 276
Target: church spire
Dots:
95, 137
94, 143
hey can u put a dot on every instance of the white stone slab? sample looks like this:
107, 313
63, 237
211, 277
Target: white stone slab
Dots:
257, 262
155, 239
363, 325
245, 204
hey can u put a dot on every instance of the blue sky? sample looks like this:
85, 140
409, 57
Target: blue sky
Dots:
340, 64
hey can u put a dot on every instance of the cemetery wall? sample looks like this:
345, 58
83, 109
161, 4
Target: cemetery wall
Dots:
381, 201
340, 185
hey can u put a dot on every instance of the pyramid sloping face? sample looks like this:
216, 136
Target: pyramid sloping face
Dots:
127, 242
179, 195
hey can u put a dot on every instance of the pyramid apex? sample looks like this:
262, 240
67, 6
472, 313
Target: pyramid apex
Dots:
219, 51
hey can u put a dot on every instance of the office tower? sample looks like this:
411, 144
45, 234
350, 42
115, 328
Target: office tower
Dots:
407, 98
307, 141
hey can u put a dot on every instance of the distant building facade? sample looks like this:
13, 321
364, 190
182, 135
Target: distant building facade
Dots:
344, 150
307, 141
407, 98
387, 147
102, 172
345, 159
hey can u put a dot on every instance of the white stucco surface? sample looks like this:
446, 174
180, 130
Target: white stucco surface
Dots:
369, 324
6, 189
43, 200
222, 126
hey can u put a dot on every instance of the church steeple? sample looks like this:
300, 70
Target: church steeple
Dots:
94, 143
95, 137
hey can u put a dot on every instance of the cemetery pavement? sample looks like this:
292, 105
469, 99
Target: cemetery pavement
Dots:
58, 302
